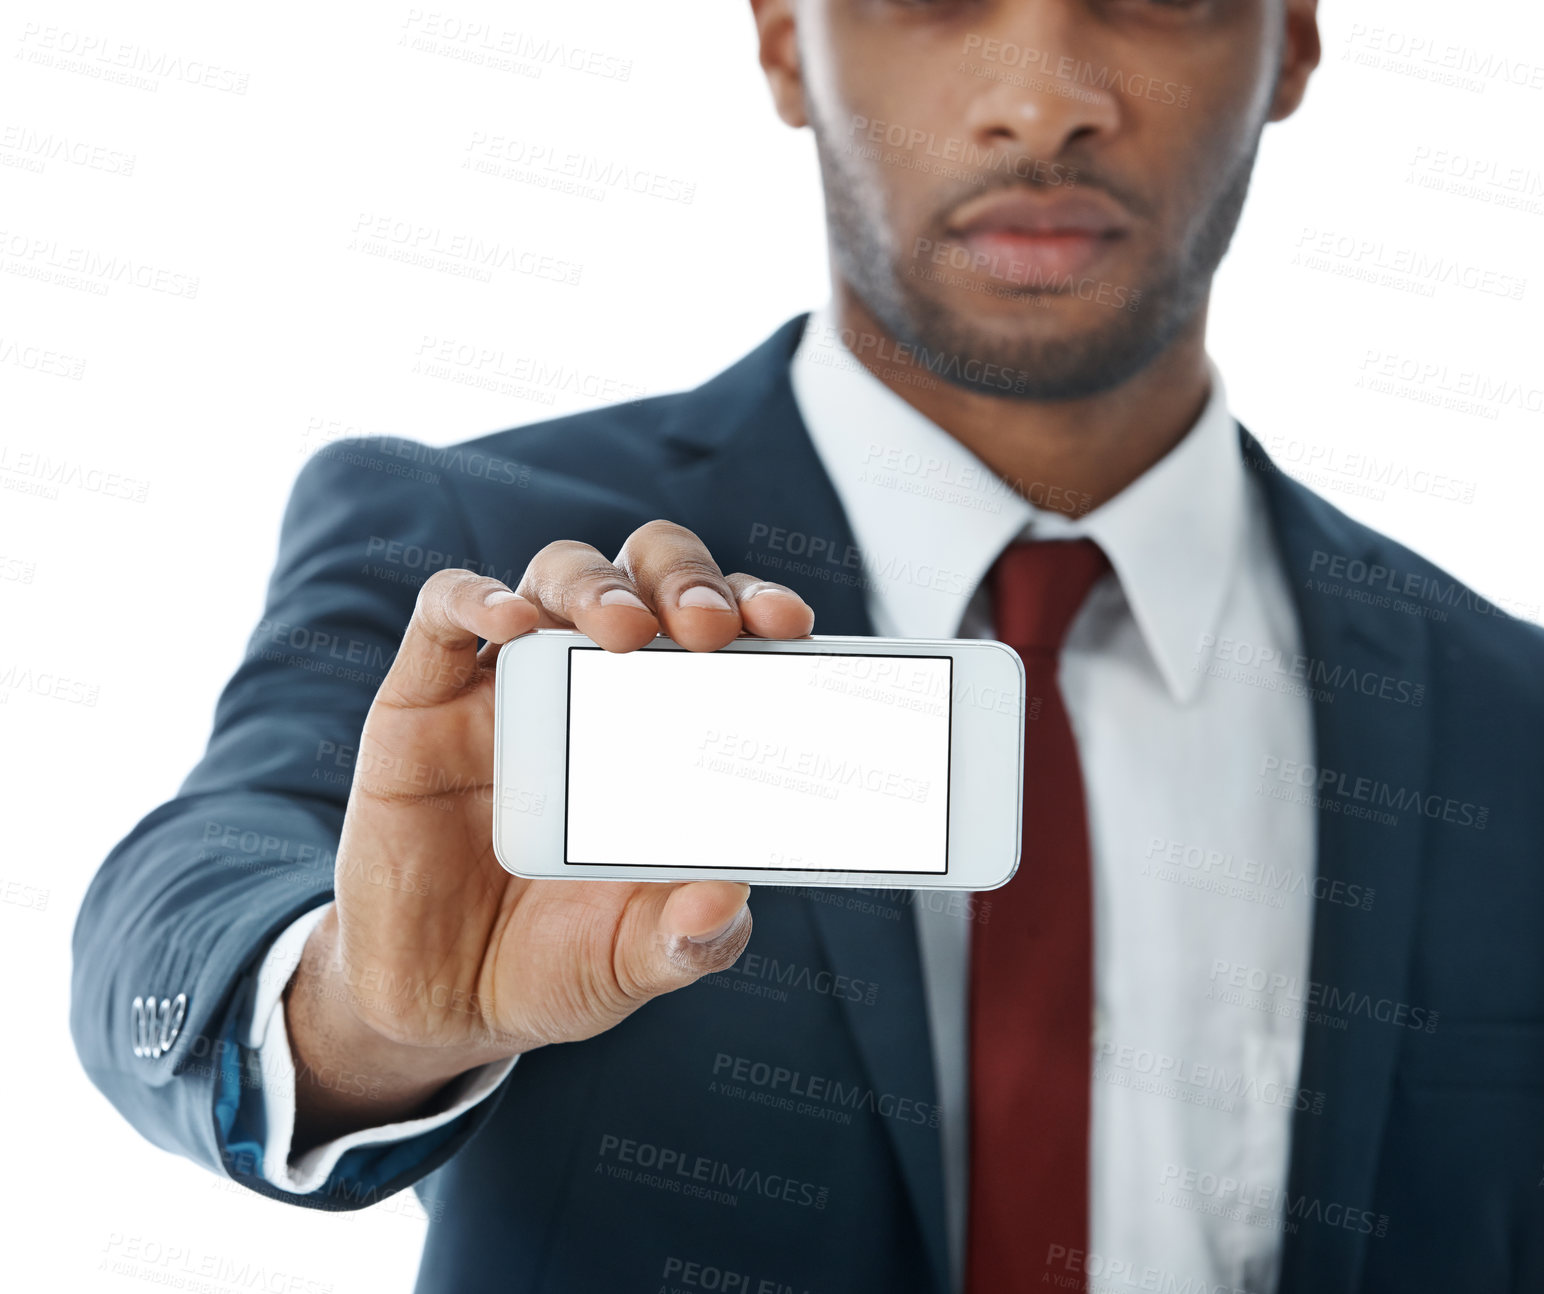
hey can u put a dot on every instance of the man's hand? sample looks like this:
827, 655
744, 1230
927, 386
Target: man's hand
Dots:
434, 959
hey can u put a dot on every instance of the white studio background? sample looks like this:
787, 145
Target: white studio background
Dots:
192, 413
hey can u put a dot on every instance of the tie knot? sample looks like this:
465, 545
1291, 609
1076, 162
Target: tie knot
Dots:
1038, 587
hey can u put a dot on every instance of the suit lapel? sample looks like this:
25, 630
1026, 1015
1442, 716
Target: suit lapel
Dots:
1334, 1156
756, 491
758, 495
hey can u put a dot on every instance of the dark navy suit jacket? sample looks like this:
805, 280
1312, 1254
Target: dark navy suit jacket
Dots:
611, 1164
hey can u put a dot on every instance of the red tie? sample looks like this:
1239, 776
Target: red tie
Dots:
1031, 966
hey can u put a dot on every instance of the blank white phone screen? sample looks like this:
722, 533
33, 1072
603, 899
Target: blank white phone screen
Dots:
747, 760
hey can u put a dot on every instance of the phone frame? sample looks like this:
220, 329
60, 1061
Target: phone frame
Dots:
986, 763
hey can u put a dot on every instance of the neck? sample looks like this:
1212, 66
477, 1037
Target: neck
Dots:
1069, 455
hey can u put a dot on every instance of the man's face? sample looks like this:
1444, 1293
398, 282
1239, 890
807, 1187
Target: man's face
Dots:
1044, 185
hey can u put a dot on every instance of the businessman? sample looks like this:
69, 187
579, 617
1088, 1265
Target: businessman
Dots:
1263, 1009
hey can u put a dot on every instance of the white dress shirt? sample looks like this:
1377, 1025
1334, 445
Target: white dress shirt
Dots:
1200, 883
267, 1035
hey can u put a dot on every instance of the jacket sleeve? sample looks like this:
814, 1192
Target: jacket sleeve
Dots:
176, 922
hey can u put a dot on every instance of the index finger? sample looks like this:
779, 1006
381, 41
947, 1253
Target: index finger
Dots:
438, 657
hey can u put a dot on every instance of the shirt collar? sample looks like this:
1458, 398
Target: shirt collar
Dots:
930, 518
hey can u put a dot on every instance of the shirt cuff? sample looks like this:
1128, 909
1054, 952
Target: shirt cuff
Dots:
267, 1036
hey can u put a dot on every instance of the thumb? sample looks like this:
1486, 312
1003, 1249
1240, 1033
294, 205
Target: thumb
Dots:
682, 934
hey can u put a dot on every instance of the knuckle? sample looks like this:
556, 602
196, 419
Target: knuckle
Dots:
446, 580
651, 535
560, 549
659, 528
639, 977
691, 569
441, 588
558, 568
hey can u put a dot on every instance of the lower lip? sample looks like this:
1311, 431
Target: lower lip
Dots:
1033, 260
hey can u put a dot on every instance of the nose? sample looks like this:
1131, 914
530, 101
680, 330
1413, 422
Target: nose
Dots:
1040, 92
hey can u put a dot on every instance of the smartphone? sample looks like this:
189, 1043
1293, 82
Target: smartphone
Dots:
868, 762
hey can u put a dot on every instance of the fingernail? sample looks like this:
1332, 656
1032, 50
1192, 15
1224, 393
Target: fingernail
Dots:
700, 595
770, 588
621, 598
714, 935
498, 597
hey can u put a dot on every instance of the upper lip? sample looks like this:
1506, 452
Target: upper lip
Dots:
1023, 212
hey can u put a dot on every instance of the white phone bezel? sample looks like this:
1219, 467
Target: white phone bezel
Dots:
986, 762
